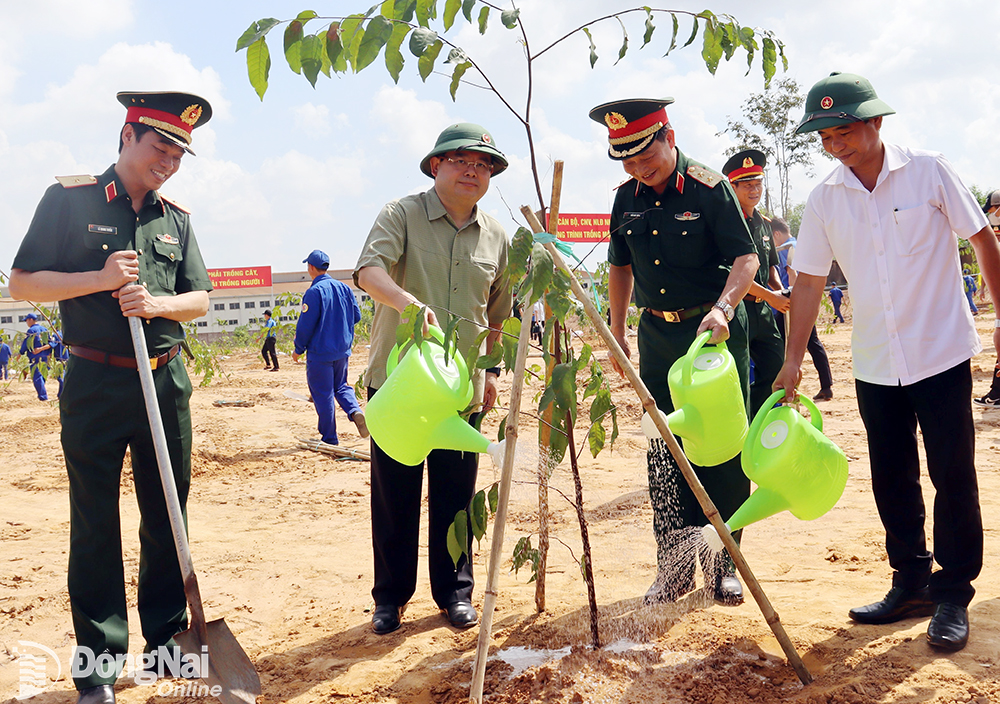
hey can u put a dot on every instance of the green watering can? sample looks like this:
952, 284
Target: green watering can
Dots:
795, 467
710, 415
416, 409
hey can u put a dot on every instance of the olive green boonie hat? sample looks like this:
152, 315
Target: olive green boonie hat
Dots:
840, 99
468, 137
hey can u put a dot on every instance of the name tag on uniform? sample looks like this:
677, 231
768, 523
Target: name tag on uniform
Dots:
168, 239
634, 216
103, 229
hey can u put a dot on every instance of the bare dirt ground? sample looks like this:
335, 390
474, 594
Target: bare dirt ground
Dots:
281, 543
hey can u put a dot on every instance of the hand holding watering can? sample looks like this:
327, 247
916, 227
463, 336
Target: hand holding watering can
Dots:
417, 409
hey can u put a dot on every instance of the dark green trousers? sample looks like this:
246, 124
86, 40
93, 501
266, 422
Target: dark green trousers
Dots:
767, 350
103, 413
674, 504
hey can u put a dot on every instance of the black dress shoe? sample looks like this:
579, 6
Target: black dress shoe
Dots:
461, 614
101, 694
728, 591
949, 627
898, 604
385, 619
667, 588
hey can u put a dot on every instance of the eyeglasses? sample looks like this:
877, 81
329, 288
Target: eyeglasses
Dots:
481, 168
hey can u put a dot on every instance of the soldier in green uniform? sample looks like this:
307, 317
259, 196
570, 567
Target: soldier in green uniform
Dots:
108, 247
745, 171
678, 235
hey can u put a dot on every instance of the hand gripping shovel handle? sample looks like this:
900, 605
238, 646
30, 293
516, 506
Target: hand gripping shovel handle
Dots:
167, 479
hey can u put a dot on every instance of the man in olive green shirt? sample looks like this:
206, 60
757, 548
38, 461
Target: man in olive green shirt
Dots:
434, 249
107, 248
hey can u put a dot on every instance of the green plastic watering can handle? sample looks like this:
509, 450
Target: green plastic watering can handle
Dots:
757, 427
396, 353
692, 353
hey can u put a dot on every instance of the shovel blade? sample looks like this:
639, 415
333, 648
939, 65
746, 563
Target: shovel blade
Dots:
228, 665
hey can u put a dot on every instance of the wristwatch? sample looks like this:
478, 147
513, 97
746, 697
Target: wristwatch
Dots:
726, 309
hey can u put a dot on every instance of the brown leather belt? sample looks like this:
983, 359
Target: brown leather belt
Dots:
119, 361
750, 298
676, 316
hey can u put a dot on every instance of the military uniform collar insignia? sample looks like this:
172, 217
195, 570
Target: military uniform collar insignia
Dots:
111, 191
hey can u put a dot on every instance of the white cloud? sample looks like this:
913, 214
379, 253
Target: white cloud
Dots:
313, 120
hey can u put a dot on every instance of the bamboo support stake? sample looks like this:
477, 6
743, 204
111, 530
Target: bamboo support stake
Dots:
500, 519
335, 450
711, 512
546, 428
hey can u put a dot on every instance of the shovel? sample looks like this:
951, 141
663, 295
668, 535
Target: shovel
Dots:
231, 676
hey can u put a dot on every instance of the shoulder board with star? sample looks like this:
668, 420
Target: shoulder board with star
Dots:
628, 180
76, 181
704, 175
174, 203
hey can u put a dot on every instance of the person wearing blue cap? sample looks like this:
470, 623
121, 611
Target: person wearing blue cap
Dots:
107, 248
268, 351
325, 334
35, 345
889, 215
437, 249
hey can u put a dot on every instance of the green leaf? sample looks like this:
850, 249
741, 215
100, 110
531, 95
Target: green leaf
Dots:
494, 497
650, 27
451, 8
472, 355
351, 34
376, 35
484, 15
511, 332
593, 47
520, 253
306, 15
425, 64
334, 49
455, 548
467, 6
596, 438
624, 49
509, 18
426, 10
312, 57
750, 43
523, 555
393, 56
462, 530
694, 33
421, 39
404, 9
541, 272
601, 405
502, 432
292, 39
450, 336
255, 32
673, 37
492, 358
711, 50
259, 66
478, 515
456, 77
585, 354
770, 59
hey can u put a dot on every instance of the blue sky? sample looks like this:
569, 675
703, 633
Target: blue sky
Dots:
309, 169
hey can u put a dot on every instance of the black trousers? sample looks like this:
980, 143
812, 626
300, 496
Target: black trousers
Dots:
816, 350
674, 504
268, 349
395, 501
940, 405
767, 350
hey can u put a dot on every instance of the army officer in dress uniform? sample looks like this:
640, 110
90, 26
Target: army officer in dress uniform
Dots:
677, 233
106, 248
745, 170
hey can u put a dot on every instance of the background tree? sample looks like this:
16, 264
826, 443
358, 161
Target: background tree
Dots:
770, 127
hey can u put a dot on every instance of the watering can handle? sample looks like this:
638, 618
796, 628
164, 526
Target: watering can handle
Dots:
757, 427
396, 352
692, 352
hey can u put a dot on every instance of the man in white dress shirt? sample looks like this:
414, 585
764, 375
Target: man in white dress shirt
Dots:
889, 215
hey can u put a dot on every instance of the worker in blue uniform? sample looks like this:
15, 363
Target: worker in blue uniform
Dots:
326, 331
5, 354
36, 346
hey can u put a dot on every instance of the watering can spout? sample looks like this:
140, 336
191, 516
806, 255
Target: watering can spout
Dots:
761, 504
453, 433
